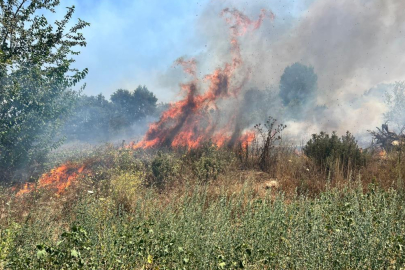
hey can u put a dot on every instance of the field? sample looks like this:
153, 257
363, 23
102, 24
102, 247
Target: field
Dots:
158, 148
206, 209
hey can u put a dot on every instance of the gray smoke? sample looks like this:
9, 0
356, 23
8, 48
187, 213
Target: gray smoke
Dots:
354, 46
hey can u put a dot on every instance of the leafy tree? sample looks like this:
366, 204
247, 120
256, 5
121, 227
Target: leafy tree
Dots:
35, 80
298, 85
90, 121
97, 119
130, 107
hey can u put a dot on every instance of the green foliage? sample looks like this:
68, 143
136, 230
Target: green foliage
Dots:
35, 77
208, 161
71, 252
130, 107
339, 230
90, 120
327, 151
124, 187
97, 119
298, 86
209, 165
165, 168
7, 238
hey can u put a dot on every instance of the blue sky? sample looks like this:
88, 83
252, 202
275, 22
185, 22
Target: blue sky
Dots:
128, 40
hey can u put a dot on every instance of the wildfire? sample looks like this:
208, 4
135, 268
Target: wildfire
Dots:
59, 178
197, 117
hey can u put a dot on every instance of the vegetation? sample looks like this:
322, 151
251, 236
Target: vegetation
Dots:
330, 152
96, 119
35, 80
262, 204
298, 86
115, 217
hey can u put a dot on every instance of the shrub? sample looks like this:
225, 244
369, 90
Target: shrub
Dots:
72, 252
208, 161
269, 135
327, 151
165, 167
125, 186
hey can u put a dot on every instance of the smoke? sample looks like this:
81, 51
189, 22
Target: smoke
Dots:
354, 48
352, 45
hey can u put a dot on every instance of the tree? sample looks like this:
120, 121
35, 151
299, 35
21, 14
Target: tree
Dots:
327, 151
298, 85
145, 102
35, 80
90, 120
133, 106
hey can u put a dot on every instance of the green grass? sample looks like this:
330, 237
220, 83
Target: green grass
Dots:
194, 210
342, 229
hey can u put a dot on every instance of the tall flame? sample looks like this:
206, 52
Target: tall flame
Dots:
196, 118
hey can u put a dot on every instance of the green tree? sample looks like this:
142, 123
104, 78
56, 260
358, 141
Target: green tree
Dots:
132, 106
327, 151
35, 80
90, 120
298, 86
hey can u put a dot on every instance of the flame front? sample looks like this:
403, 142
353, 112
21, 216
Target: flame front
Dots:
196, 118
59, 178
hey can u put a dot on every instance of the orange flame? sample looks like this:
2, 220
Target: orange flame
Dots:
59, 178
247, 138
196, 118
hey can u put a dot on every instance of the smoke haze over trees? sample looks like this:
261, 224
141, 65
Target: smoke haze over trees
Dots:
298, 86
96, 119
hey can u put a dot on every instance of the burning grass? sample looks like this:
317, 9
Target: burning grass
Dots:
59, 178
206, 208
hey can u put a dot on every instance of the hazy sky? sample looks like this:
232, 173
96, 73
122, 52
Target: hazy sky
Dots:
135, 42
353, 46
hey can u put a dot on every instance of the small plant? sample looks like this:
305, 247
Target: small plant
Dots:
125, 187
270, 134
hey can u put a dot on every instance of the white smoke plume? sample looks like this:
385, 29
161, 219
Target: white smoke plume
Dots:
355, 48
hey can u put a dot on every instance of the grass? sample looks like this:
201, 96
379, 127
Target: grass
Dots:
208, 213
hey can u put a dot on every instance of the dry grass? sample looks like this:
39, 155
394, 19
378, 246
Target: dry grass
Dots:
115, 189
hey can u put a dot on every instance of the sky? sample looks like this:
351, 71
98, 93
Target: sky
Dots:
353, 46
131, 43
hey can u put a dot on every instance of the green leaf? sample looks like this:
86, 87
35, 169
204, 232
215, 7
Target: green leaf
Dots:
74, 253
41, 253
222, 265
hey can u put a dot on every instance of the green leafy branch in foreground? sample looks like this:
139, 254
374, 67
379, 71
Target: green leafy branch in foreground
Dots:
36, 75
